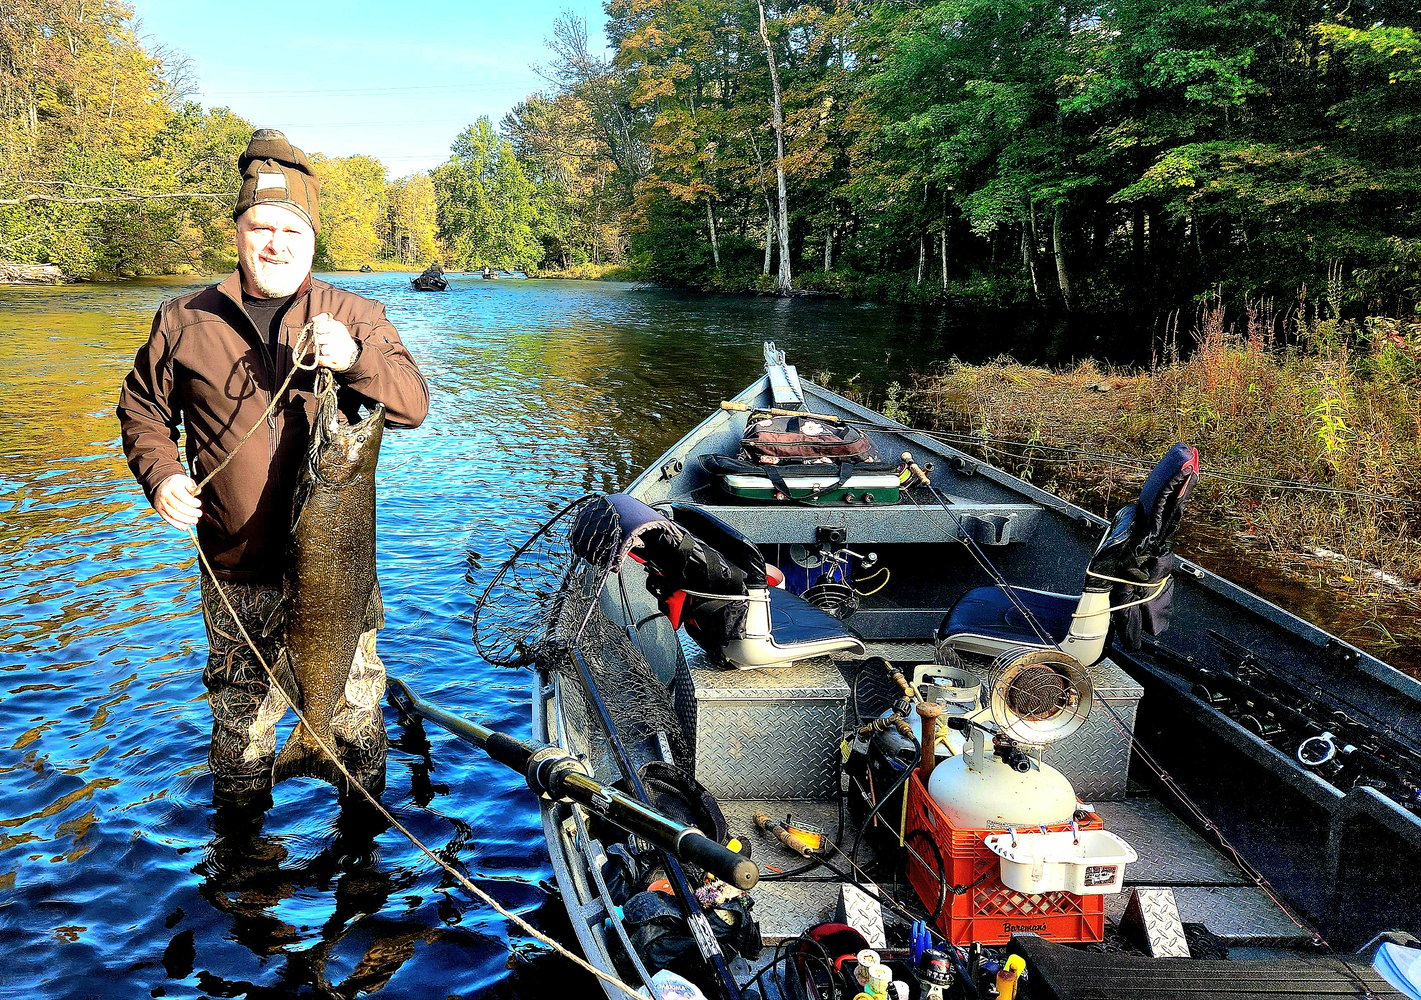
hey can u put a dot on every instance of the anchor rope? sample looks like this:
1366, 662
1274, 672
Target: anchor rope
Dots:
308, 364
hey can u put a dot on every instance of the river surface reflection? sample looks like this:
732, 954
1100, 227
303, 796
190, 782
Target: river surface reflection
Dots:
112, 882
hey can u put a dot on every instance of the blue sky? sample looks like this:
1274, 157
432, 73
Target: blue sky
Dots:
398, 82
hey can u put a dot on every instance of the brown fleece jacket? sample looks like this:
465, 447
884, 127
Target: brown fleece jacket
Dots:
206, 368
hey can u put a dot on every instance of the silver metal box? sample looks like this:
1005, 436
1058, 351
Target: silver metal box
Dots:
766, 734
1096, 757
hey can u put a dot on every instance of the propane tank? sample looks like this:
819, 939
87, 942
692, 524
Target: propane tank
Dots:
980, 790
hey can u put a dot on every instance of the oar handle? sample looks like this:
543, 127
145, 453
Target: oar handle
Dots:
734, 407
697, 849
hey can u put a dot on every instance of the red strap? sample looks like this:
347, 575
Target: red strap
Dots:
675, 607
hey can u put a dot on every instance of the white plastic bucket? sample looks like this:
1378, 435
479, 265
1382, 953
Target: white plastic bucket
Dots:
1087, 863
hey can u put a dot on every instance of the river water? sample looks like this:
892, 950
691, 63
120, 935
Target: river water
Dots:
110, 881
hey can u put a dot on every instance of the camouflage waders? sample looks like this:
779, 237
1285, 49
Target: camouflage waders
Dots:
246, 709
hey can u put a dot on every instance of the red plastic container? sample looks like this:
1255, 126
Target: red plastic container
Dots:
985, 910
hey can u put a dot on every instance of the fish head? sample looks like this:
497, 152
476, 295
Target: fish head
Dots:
344, 445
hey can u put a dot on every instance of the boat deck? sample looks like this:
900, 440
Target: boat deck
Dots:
1227, 909
1209, 890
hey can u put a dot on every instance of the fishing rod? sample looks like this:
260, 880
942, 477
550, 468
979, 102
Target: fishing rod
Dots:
1329, 742
551, 771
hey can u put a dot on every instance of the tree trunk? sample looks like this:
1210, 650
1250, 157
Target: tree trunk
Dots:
1059, 248
942, 246
769, 234
922, 257
1028, 260
784, 280
715, 240
829, 248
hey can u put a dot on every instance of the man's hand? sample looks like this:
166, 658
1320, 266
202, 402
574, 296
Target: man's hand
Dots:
336, 349
177, 502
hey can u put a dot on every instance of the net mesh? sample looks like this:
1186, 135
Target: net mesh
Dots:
557, 602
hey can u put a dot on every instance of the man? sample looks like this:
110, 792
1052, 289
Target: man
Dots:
211, 365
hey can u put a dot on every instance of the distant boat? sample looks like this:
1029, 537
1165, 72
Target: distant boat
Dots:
366, 269
430, 280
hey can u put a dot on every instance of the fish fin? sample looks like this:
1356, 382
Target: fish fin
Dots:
302, 757
285, 673
375, 610
275, 619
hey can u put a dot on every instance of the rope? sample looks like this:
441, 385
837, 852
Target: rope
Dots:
303, 340
379, 806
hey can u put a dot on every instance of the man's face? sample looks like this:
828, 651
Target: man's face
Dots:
275, 247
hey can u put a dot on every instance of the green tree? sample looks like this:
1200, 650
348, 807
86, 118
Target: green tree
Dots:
485, 202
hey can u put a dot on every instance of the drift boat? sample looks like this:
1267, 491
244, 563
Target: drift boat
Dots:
1138, 780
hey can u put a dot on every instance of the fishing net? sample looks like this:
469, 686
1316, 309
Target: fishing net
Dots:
556, 602
512, 615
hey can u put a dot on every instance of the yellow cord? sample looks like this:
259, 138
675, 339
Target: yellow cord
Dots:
882, 570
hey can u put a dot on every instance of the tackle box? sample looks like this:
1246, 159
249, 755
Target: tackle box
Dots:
827, 483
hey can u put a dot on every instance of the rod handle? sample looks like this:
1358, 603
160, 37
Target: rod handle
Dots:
697, 849
734, 407
915, 469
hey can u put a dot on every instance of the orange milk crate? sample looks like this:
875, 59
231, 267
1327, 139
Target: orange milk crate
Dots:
985, 910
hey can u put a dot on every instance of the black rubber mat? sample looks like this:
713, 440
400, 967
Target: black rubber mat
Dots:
1059, 972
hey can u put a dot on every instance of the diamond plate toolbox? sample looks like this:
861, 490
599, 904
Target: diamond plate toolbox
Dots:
769, 734
1096, 757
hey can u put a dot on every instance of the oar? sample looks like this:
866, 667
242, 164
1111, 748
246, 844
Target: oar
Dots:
549, 770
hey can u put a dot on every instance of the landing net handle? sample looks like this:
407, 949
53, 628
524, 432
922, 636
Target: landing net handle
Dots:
552, 772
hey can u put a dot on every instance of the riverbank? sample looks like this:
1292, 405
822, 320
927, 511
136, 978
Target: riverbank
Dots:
586, 272
1310, 449
12, 273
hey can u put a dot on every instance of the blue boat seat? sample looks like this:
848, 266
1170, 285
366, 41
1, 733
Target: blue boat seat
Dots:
989, 613
1127, 582
761, 626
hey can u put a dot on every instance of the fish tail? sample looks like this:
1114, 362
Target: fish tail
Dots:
302, 757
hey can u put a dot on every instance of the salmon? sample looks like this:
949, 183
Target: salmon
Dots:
332, 596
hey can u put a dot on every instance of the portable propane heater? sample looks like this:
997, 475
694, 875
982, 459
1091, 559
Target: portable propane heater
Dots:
1014, 850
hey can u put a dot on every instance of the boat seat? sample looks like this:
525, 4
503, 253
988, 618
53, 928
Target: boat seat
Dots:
986, 616
762, 626
1126, 582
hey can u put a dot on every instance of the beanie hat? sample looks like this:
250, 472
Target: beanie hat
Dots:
275, 171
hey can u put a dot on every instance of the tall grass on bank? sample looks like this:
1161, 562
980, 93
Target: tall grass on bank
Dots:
1337, 405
